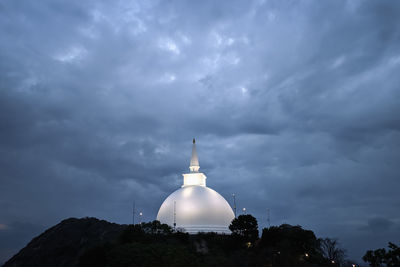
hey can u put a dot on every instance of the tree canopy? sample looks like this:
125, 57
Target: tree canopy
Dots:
156, 244
382, 257
245, 226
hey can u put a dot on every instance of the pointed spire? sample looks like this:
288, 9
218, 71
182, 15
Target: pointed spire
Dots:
194, 161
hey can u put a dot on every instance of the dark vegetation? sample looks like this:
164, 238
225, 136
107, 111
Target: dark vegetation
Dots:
382, 257
92, 242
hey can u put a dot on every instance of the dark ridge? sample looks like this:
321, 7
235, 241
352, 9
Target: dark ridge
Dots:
63, 244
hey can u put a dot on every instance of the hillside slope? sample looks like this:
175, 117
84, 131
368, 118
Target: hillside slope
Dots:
63, 244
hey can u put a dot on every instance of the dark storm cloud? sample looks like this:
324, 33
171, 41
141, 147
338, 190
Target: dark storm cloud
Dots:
295, 107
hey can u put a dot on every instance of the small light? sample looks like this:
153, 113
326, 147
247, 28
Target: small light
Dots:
353, 265
140, 213
306, 254
333, 261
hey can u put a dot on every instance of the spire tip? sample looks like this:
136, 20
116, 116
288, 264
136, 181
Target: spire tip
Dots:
194, 160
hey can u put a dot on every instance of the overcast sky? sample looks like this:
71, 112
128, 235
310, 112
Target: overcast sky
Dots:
295, 106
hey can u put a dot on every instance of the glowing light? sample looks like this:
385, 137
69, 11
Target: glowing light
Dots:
198, 208
306, 254
140, 216
194, 179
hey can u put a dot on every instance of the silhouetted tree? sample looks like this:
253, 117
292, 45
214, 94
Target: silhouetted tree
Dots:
289, 245
155, 227
331, 251
381, 257
245, 226
144, 232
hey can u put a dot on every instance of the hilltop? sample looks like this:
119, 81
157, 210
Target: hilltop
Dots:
92, 242
64, 243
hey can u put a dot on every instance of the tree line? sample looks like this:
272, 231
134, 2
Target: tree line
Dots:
156, 244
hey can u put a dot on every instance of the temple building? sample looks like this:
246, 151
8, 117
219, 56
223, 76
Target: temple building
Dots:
196, 207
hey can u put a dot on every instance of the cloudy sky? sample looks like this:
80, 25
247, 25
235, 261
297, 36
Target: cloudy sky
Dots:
294, 104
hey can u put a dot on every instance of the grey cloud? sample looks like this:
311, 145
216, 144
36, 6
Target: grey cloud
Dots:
294, 106
380, 224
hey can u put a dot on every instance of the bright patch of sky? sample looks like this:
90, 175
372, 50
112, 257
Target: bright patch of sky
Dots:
169, 45
73, 54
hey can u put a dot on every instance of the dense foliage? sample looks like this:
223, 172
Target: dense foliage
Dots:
289, 245
245, 226
92, 242
155, 244
382, 257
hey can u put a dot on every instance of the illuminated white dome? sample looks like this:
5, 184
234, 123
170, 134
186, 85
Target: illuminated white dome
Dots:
195, 207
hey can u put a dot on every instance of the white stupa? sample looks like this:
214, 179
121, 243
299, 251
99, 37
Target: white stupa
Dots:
195, 207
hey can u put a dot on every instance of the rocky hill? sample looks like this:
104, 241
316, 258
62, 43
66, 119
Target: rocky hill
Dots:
63, 244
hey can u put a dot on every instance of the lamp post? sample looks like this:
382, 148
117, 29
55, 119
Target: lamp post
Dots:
244, 210
140, 217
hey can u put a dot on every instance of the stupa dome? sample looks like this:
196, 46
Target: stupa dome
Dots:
196, 207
